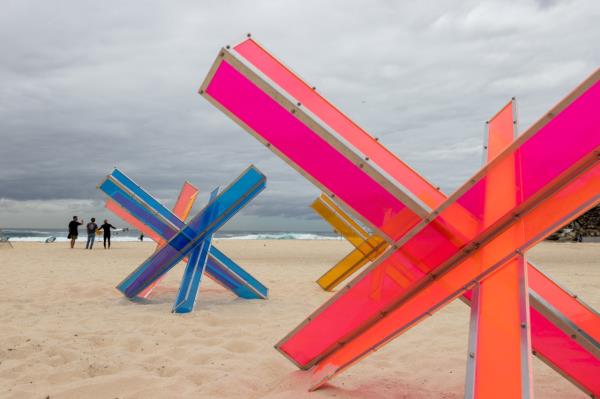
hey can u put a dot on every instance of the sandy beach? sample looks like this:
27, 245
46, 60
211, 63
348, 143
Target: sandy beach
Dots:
67, 333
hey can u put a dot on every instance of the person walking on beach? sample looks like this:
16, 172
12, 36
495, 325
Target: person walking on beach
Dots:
74, 230
142, 237
106, 228
91, 230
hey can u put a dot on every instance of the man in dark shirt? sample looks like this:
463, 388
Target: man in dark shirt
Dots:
74, 230
91, 230
106, 228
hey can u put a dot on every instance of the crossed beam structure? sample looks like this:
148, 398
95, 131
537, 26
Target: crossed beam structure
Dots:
177, 240
439, 247
501, 129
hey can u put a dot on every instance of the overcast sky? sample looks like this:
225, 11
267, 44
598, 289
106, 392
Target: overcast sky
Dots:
89, 85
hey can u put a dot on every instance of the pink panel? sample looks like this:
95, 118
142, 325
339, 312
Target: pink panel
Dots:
582, 316
309, 152
413, 306
329, 114
440, 233
573, 361
547, 154
376, 290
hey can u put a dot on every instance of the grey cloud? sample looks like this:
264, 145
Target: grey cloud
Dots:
92, 85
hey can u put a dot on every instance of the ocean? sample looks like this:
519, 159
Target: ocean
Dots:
41, 235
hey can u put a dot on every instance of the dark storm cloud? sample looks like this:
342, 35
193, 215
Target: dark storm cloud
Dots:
92, 85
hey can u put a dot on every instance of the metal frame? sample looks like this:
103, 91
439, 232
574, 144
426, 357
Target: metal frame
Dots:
165, 220
502, 224
201, 236
525, 319
372, 138
472, 345
233, 275
491, 232
318, 127
518, 251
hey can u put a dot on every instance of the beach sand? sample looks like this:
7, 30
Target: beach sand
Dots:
67, 333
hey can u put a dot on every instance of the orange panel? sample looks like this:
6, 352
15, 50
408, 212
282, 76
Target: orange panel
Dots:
501, 130
565, 302
567, 203
185, 201
499, 350
500, 335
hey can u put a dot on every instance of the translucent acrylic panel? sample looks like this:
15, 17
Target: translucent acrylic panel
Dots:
135, 189
118, 182
192, 275
340, 123
344, 216
190, 282
342, 270
147, 230
144, 228
221, 268
181, 209
369, 295
310, 153
368, 251
372, 293
133, 206
502, 348
185, 201
501, 131
571, 131
558, 145
565, 354
340, 225
567, 203
566, 303
235, 196
499, 332
552, 345
132, 220
236, 277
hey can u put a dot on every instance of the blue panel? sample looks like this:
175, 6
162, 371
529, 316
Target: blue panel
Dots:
216, 270
222, 269
133, 206
190, 282
240, 289
235, 196
145, 197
